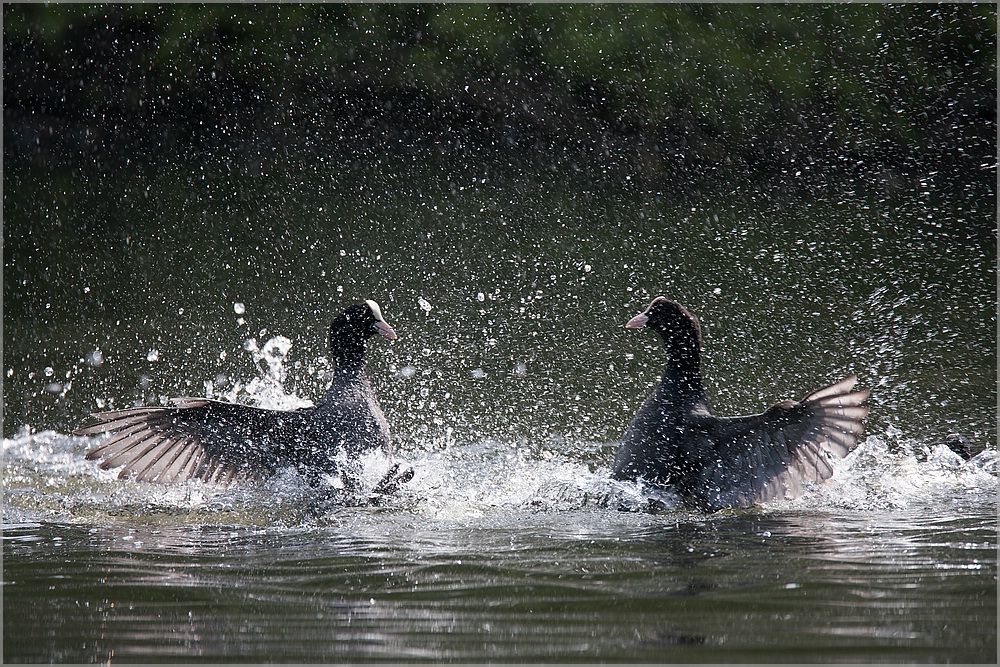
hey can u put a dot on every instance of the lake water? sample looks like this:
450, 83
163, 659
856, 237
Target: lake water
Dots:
507, 390
495, 553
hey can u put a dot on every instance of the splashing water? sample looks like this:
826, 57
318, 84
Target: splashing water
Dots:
889, 472
47, 477
267, 390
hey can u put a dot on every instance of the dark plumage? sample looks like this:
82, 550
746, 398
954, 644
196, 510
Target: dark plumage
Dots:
717, 462
959, 445
222, 443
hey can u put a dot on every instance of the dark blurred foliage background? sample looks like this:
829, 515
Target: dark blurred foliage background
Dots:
686, 95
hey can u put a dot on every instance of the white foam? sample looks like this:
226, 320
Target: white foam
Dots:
886, 472
494, 477
47, 478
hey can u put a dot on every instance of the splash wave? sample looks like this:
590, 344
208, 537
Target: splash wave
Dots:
48, 479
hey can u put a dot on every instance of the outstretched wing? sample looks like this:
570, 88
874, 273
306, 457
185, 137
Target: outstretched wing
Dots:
196, 438
766, 457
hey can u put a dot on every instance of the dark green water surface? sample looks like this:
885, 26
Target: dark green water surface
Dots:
570, 587
528, 281
800, 587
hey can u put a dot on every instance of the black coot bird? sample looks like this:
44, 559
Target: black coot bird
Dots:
958, 444
713, 462
224, 443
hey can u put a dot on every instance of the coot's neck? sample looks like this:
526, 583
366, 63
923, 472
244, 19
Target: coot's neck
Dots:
682, 376
349, 375
350, 359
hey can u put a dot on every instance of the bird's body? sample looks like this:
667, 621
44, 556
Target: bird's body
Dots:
219, 442
714, 462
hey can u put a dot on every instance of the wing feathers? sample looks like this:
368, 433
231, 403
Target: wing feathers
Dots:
835, 389
831, 420
768, 456
125, 450
189, 402
159, 459
196, 438
144, 464
120, 440
112, 424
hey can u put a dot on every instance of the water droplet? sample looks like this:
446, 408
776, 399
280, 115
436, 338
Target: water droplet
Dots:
95, 358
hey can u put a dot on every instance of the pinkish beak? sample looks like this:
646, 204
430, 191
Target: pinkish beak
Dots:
384, 329
637, 322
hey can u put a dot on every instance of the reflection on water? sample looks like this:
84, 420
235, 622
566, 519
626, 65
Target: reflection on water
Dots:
496, 553
619, 586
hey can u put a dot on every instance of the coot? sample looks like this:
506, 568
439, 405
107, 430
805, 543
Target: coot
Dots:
714, 462
958, 444
223, 443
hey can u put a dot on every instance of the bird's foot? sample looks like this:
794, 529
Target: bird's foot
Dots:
390, 483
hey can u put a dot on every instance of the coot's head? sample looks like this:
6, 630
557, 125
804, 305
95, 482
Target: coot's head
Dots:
357, 324
675, 323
